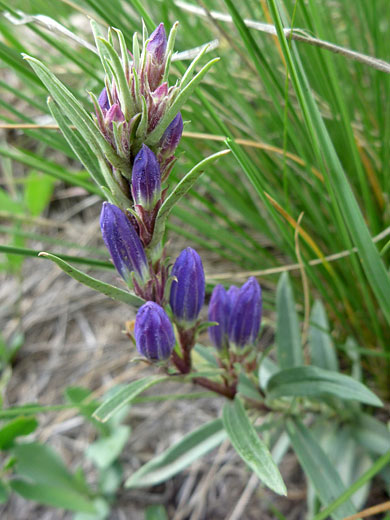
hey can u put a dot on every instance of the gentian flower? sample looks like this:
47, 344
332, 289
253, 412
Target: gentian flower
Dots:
245, 314
103, 100
188, 290
123, 243
153, 332
218, 311
146, 179
171, 136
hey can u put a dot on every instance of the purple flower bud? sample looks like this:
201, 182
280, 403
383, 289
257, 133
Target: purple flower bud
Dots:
171, 136
157, 44
146, 179
245, 314
114, 114
218, 311
123, 243
154, 336
103, 100
232, 294
187, 292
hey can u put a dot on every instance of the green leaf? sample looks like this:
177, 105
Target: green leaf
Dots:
76, 113
102, 511
16, 428
310, 381
379, 465
39, 189
52, 495
106, 450
321, 345
24, 251
179, 456
120, 79
250, 447
177, 193
124, 396
42, 465
372, 434
4, 492
156, 513
81, 149
93, 283
288, 337
8, 204
318, 468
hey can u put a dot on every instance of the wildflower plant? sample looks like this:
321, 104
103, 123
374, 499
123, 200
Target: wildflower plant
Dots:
128, 145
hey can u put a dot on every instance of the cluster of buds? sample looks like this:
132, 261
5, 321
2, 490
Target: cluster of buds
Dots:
238, 313
136, 112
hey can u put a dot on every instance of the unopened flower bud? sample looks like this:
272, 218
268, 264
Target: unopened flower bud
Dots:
156, 58
103, 100
245, 314
157, 44
146, 179
188, 289
218, 311
171, 136
114, 114
123, 243
154, 336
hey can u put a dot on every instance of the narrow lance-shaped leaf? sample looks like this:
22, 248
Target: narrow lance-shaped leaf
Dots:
288, 337
97, 285
250, 447
179, 456
75, 112
321, 346
127, 104
80, 148
318, 468
125, 396
310, 381
178, 192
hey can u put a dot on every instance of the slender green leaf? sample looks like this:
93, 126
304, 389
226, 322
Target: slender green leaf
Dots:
372, 434
318, 468
93, 283
178, 192
250, 447
288, 337
321, 345
93, 262
179, 456
310, 381
124, 396
73, 109
78, 145
381, 463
